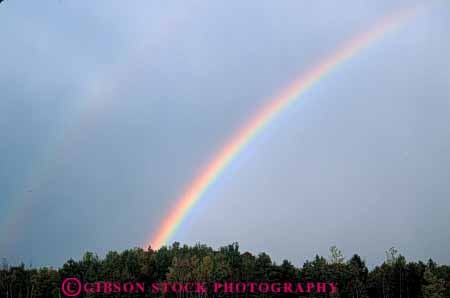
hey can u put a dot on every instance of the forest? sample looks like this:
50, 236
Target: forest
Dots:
394, 278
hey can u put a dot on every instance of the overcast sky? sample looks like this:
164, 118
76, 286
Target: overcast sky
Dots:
109, 108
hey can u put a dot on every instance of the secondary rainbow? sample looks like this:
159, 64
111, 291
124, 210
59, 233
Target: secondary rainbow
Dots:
225, 156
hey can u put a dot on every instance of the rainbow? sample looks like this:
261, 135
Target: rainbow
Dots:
265, 115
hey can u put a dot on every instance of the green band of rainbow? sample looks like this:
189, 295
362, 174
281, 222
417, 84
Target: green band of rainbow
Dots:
200, 184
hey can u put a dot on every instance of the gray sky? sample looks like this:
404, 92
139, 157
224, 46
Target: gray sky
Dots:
108, 109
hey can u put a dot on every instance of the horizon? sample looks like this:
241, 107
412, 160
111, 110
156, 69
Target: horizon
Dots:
329, 258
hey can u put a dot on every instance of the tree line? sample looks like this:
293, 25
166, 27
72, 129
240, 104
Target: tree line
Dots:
394, 278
